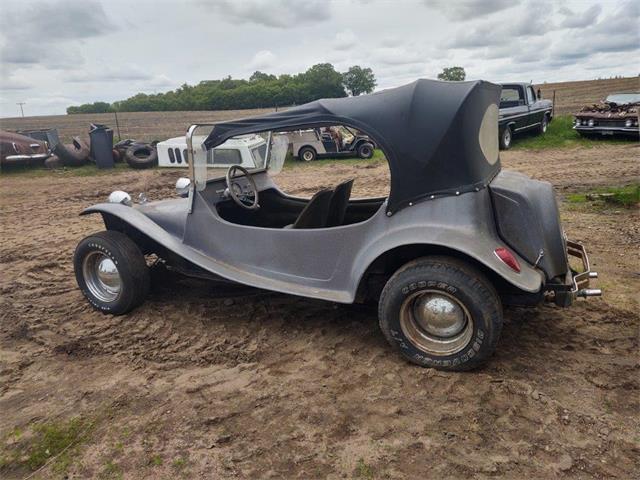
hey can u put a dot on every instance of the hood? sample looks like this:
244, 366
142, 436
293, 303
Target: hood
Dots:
610, 110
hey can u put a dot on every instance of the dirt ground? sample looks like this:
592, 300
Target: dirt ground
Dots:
204, 383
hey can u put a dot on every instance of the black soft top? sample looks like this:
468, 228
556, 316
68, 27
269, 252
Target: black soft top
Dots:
429, 131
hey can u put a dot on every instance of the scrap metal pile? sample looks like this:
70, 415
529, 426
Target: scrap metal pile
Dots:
42, 148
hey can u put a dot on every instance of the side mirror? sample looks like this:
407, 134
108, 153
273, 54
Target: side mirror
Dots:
182, 187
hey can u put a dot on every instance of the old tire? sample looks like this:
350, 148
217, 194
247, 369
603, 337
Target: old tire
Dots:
544, 124
111, 272
141, 156
365, 150
505, 138
307, 154
441, 312
73, 154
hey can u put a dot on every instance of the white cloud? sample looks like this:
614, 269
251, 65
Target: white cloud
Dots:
345, 40
264, 59
397, 56
580, 20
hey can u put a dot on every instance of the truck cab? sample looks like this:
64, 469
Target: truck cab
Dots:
522, 109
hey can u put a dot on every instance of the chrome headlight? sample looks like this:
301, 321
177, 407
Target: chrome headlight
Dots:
118, 196
591, 123
584, 121
628, 123
182, 186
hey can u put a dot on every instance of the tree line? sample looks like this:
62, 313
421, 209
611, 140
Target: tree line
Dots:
261, 90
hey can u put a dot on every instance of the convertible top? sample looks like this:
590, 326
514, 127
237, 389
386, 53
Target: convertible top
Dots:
440, 138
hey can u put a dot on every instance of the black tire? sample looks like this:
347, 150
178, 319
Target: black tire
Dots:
449, 280
141, 156
307, 154
365, 150
506, 137
544, 124
73, 154
130, 264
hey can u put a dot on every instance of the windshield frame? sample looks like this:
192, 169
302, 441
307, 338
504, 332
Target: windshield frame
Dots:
635, 97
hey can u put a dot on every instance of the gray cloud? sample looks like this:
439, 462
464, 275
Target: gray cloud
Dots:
469, 9
580, 20
271, 13
24, 26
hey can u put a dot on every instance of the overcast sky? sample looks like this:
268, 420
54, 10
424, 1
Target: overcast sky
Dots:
60, 53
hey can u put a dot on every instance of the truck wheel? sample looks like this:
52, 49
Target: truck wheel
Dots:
365, 150
111, 272
544, 124
307, 154
505, 138
441, 312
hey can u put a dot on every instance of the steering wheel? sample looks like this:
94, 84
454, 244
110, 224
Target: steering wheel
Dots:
244, 199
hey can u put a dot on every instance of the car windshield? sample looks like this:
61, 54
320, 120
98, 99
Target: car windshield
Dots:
622, 98
253, 152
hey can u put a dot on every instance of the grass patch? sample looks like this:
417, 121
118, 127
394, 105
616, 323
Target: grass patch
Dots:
46, 441
560, 134
111, 470
364, 470
155, 460
628, 196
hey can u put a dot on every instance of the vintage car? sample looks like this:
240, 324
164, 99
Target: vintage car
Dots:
16, 149
522, 110
329, 142
616, 115
247, 151
455, 239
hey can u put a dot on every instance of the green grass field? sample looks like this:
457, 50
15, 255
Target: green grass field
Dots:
560, 134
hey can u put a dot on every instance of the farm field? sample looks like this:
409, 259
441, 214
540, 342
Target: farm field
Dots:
203, 382
571, 96
149, 126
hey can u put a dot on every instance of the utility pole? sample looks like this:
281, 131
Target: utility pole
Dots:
21, 109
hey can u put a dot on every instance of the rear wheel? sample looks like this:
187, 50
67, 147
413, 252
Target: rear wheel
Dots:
505, 138
365, 150
307, 154
440, 312
111, 272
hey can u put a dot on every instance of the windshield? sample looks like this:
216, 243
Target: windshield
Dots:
253, 152
622, 98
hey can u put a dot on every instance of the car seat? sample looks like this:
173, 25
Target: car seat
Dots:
339, 203
315, 213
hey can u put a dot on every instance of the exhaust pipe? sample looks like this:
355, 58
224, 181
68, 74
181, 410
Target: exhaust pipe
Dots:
589, 292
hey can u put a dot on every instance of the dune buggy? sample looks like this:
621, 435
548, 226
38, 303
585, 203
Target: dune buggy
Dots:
455, 239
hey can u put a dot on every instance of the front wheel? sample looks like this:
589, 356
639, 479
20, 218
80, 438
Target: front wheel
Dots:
440, 312
307, 154
111, 272
505, 138
544, 124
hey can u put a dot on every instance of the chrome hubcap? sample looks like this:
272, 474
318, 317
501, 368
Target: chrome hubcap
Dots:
102, 277
436, 322
308, 156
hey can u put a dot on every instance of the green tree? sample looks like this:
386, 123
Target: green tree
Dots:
358, 80
259, 76
452, 74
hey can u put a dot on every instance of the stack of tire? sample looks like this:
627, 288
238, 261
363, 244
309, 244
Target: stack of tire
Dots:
138, 155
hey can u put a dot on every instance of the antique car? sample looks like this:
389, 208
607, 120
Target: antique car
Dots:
16, 149
456, 238
329, 142
247, 151
522, 110
616, 115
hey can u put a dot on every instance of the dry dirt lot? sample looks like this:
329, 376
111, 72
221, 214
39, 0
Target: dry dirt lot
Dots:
208, 383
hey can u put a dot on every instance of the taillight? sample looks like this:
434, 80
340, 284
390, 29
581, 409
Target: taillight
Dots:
507, 258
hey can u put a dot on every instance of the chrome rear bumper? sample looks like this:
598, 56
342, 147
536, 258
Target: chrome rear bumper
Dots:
576, 284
